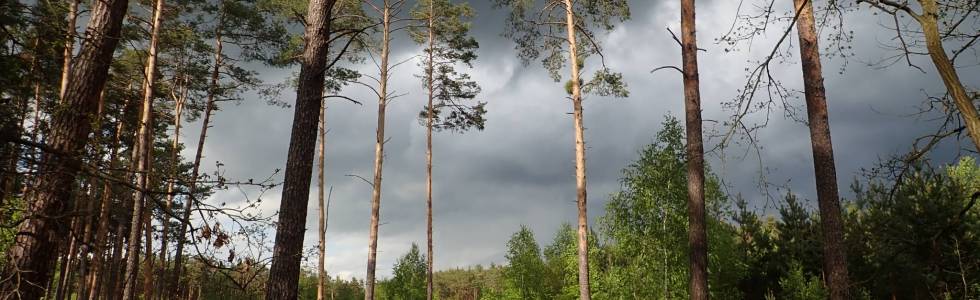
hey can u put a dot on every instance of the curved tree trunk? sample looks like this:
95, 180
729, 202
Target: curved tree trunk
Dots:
835, 261
944, 66
288, 251
30, 259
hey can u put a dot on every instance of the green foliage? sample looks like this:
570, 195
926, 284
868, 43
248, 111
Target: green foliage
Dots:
408, 282
539, 30
451, 47
798, 285
524, 274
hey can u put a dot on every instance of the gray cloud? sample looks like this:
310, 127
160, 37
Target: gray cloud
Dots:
520, 169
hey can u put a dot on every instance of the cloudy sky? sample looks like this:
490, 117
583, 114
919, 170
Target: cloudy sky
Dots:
520, 169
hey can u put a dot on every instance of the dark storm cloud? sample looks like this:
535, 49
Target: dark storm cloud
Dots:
520, 169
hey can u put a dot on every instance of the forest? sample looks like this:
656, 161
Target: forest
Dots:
184, 149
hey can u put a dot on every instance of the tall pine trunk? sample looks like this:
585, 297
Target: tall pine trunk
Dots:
835, 262
144, 158
322, 232
580, 180
696, 235
379, 146
30, 259
288, 251
69, 48
430, 69
174, 164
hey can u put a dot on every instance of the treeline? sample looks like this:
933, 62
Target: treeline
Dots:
913, 239
97, 202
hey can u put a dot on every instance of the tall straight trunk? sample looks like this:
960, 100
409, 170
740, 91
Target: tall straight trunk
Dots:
580, 181
69, 48
321, 269
946, 69
288, 251
145, 161
30, 258
379, 147
198, 154
174, 163
696, 235
835, 261
102, 231
429, 70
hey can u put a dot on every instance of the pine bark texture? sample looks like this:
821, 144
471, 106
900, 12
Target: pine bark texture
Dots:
835, 260
30, 259
696, 232
288, 251
580, 180
322, 232
378, 156
430, 69
947, 71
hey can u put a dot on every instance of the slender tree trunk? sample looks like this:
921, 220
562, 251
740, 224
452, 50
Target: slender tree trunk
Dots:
145, 161
430, 69
288, 251
580, 180
379, 147
69, 48
30, 259
198, 154
947, 71
102, 231
174, 163
696, 235
321, 269
835, 261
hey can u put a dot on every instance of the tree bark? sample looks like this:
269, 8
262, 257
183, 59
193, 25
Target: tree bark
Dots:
696, 234
144, 159
379, 145
835, 261
946, 69
288, 251
69, 48
430, 69
174, 163
321, 269
580, 180
30, 259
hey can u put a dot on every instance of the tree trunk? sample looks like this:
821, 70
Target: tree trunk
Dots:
288, 251
321, 269
30, 258
144, 159
198, 154
430, 69
946, 70
696, 235
580, 181
835, 262
174, 164
69, 48
379, 147
148, 258
102, 232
